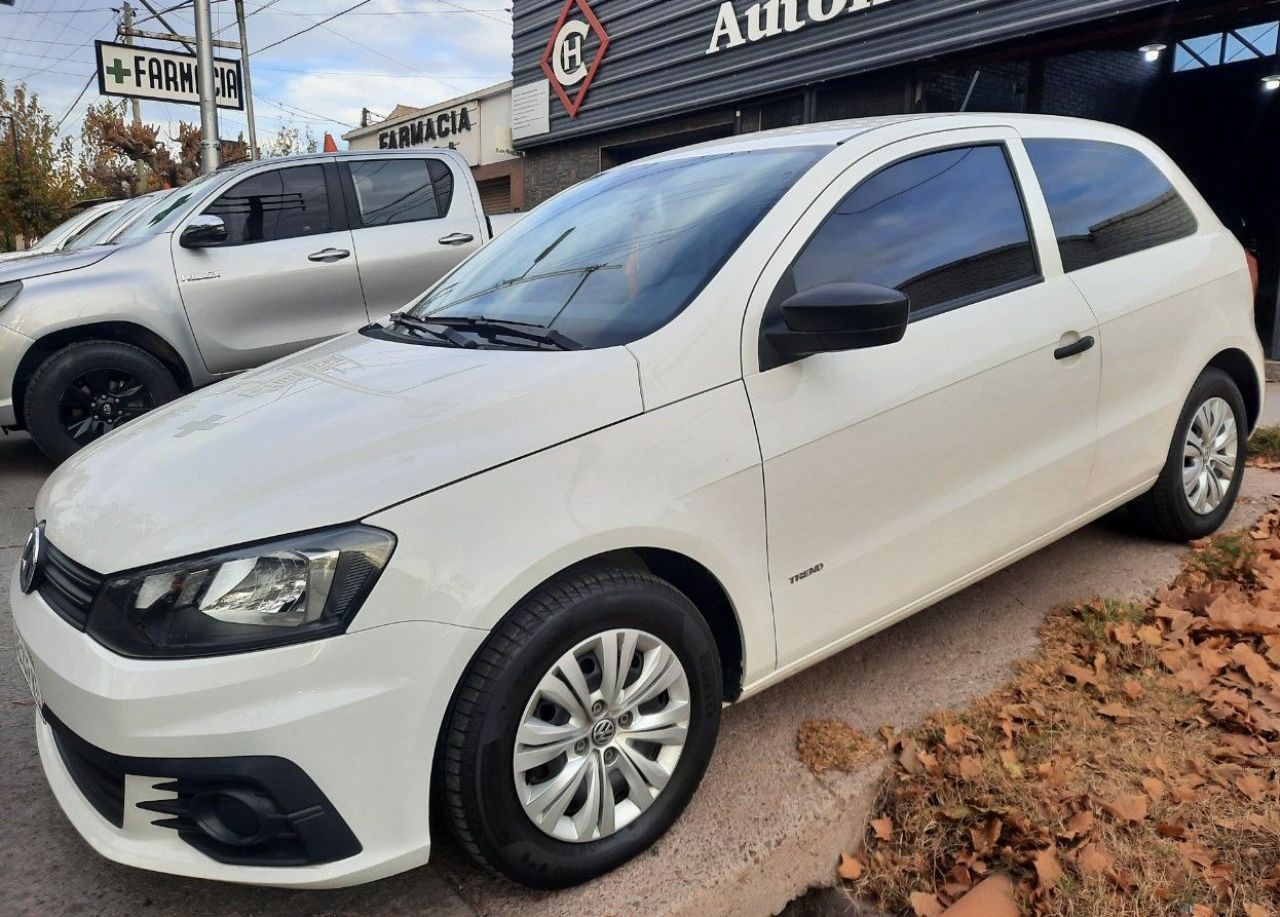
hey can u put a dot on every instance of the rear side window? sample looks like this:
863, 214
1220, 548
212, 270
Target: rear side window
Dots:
280, 204
390, 191
946, 228
1107, 200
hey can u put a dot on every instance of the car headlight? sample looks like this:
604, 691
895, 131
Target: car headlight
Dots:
291, 590
9, 292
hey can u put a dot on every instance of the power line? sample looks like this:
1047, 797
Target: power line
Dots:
83, 90
314, 25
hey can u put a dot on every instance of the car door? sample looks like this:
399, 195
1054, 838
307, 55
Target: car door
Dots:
413, 221
893, 474
284, 279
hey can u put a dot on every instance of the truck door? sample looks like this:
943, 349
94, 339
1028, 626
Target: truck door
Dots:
284, 279
413, 218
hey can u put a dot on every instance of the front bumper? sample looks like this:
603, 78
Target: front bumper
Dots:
12, 348
357, 714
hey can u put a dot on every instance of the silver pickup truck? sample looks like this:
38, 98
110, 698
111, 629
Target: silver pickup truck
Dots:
224, 274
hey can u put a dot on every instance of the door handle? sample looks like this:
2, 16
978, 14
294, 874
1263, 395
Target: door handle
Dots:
1071, 350
329, 255
457, 238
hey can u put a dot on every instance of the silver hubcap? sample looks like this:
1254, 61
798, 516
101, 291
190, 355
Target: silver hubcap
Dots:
601, 735
1209, 456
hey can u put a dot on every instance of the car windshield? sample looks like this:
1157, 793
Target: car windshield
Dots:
164, 213
100, 232
617, 257
54, 238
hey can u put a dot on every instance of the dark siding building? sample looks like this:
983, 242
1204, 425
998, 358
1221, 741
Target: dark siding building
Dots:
629, 78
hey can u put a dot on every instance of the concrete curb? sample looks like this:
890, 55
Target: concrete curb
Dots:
1273, 370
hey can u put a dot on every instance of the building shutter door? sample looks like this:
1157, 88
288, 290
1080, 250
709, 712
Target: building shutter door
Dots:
495, 195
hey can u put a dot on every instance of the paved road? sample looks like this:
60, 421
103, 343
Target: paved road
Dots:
761, 830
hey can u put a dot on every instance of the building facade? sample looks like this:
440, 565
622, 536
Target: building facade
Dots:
477, 125
598, 83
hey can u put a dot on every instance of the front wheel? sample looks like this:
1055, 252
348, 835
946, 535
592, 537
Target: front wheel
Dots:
582, 727
86, 390
1198, 485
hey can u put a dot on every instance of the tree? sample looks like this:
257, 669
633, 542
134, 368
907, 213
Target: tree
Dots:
290, 141
38, 181
112, 145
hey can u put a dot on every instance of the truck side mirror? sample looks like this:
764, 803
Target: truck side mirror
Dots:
203, 231
836, 317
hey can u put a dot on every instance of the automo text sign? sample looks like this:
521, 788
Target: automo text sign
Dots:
165, 76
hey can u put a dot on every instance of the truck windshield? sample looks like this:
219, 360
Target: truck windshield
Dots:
163, 214
617, 257
101, 232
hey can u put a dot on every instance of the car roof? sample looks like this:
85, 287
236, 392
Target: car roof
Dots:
834, 133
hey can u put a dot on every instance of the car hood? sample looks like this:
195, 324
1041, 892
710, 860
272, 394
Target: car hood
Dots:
37, 265
327, 436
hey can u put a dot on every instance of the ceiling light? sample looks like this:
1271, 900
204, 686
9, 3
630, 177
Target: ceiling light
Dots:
1272, 83
1152, 52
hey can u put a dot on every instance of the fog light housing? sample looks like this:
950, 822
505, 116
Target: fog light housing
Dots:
237, 817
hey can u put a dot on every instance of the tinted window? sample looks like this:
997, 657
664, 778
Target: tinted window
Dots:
401, 191
618, 256
1107, 200
944, 228
280, 204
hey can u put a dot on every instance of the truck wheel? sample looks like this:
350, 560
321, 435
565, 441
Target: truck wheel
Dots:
88, 389
1201, 477
582, 727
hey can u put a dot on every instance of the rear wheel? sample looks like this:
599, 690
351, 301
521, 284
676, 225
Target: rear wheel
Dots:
582, 728
88, 389
1198, 485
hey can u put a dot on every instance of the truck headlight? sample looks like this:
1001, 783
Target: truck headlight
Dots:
291, 590
9, 292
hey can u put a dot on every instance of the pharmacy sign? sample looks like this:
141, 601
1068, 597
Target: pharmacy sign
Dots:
164, 76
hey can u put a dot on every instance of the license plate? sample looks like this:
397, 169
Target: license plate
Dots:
29, 673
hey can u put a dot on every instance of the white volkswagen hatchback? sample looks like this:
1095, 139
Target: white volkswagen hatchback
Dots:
692, 426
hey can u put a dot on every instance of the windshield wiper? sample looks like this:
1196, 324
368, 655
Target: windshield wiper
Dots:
492, 328
448, 335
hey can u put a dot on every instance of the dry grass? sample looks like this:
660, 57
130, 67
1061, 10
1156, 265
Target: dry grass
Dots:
1130, 769
826, 745
1264, 446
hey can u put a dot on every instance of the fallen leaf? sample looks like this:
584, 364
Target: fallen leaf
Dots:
984, 838
1257, 910
1150, 635
883, 827
1127, 808
1155, 788
1093, 860
1252, 786
1197, 853
1047, 868
953, 736
1132, 689
1166, 829
1080, 824
926, 904
970, 767
1117, 712
850, 868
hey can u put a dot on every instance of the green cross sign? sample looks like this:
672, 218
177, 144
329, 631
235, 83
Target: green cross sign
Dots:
118, 70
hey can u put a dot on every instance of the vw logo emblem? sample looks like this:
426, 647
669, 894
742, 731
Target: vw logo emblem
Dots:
32, 557
602, 733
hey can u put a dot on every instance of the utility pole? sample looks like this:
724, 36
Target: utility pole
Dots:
247, 88
126, 16
210, 146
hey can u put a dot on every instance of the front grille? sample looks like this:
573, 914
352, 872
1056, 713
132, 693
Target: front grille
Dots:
67, 587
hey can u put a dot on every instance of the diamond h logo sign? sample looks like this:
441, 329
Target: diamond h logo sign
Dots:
565, 60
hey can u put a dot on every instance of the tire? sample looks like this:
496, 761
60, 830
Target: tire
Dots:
501, 690
1166, 511
67, 387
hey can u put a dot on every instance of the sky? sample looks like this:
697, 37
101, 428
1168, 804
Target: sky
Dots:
377, 55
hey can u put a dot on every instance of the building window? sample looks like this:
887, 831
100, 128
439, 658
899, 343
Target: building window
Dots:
1255, 42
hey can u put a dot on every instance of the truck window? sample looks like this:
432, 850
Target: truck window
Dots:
390, 191
280, 204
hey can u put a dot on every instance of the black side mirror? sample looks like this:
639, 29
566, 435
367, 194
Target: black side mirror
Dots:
203, 231
836, 317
